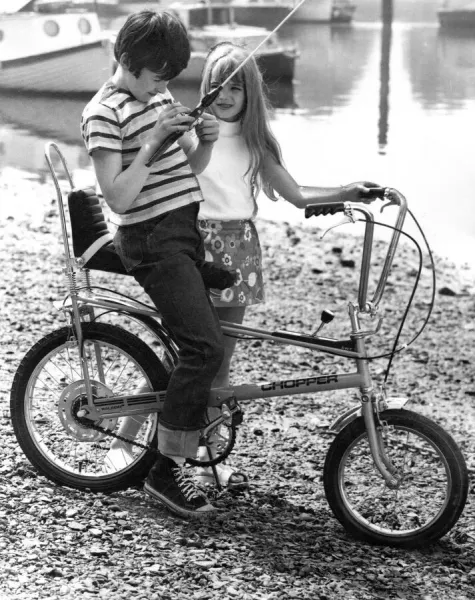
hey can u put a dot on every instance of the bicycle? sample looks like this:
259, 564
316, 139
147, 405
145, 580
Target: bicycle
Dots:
391, 476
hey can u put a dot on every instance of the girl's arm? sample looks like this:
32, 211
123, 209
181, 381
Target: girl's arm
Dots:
286, 186
199, 154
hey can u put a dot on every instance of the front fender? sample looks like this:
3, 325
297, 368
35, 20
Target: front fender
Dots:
354, 412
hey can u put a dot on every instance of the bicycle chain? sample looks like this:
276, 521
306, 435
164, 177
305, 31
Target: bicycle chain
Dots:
88, 424
84, 422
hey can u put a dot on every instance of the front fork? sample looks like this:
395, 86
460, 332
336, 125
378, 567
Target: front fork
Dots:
370, 405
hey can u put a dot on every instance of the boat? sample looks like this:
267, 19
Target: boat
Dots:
258, 13
263, 13
457, 14
342, 11
101, 7
316, 11
276, 59
66, 51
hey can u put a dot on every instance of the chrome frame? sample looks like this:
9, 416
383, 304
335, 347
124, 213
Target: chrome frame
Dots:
82, 301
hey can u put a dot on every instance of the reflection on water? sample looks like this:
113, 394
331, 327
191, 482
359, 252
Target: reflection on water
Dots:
442, 67
393, 106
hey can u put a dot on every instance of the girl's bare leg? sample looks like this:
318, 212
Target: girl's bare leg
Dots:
232, 314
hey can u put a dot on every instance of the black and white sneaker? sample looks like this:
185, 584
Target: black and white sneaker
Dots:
173, 486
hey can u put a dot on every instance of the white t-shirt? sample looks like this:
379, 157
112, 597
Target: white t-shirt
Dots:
225, 186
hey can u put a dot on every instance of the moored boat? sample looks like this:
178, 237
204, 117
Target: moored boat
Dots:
66, 52
257, 13
316, 11
277, 62
342, 11
101, 7
276, 59
457, 14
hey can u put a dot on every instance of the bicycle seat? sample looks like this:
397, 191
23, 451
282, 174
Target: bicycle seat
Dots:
92, 239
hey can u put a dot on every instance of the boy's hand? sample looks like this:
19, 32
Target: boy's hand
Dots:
207, 128
172, 119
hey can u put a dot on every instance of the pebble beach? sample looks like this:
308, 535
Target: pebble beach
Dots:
279, 540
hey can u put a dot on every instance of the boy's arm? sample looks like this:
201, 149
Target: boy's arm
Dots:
120, 188
286, 186
199, 153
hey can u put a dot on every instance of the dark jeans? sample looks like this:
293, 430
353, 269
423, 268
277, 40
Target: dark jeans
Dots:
162, 254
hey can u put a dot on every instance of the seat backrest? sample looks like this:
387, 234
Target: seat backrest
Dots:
91, 237
88, 223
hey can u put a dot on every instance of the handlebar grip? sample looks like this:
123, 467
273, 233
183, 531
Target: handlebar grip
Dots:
375, 192
328, 208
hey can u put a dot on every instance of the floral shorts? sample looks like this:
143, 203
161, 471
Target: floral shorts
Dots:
234, 245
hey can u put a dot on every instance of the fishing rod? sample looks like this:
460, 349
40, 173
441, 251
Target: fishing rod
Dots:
211, 96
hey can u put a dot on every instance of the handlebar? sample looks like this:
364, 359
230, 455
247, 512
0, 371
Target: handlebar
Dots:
331, 208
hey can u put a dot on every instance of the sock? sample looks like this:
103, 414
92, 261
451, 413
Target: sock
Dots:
179, 460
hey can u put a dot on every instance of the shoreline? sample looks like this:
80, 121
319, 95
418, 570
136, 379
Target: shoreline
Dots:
27, 188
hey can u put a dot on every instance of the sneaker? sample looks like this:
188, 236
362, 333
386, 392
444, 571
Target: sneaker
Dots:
173, 486
118, 458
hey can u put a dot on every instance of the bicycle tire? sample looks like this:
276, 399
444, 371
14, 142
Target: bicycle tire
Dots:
429, 500
43, 420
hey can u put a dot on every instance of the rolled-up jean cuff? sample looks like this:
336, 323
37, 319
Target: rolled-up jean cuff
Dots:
176, 442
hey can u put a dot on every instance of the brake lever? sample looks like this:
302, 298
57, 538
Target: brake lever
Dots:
391, 202
348, 218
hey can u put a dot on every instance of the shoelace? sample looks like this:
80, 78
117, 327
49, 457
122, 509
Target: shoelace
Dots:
185, 483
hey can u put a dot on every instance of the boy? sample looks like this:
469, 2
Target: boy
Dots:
157, 239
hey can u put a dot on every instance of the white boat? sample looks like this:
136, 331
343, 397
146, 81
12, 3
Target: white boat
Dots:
64, 52
457, 14
276, 59
101, 7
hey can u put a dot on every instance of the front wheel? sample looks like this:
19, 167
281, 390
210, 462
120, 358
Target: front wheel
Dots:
49, 389
432, 481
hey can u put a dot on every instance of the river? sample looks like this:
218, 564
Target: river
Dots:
397, 109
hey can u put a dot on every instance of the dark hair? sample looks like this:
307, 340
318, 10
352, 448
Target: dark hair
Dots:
157, 41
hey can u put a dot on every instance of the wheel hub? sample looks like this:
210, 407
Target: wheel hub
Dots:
72, 400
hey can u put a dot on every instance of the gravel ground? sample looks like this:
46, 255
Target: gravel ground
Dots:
279, 540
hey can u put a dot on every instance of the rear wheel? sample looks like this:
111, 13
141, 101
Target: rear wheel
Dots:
48, 390
432, 488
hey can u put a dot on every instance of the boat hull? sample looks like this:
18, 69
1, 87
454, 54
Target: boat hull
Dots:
316, 11
74, 70
457, 18
262, 13
277, 66
342, 12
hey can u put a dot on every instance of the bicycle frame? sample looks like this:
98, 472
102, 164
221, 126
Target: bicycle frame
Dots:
83, 302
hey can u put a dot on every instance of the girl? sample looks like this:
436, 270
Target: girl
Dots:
246, 158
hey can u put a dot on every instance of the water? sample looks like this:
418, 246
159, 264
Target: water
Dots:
398, 111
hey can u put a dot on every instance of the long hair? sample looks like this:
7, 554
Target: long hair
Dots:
221, 61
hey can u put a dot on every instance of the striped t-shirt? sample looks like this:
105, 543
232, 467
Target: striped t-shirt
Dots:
114, 120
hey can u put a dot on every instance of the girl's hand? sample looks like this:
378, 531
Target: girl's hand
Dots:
207, 129
172, 119
355, 192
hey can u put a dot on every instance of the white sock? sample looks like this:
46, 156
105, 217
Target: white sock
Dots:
179, 460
